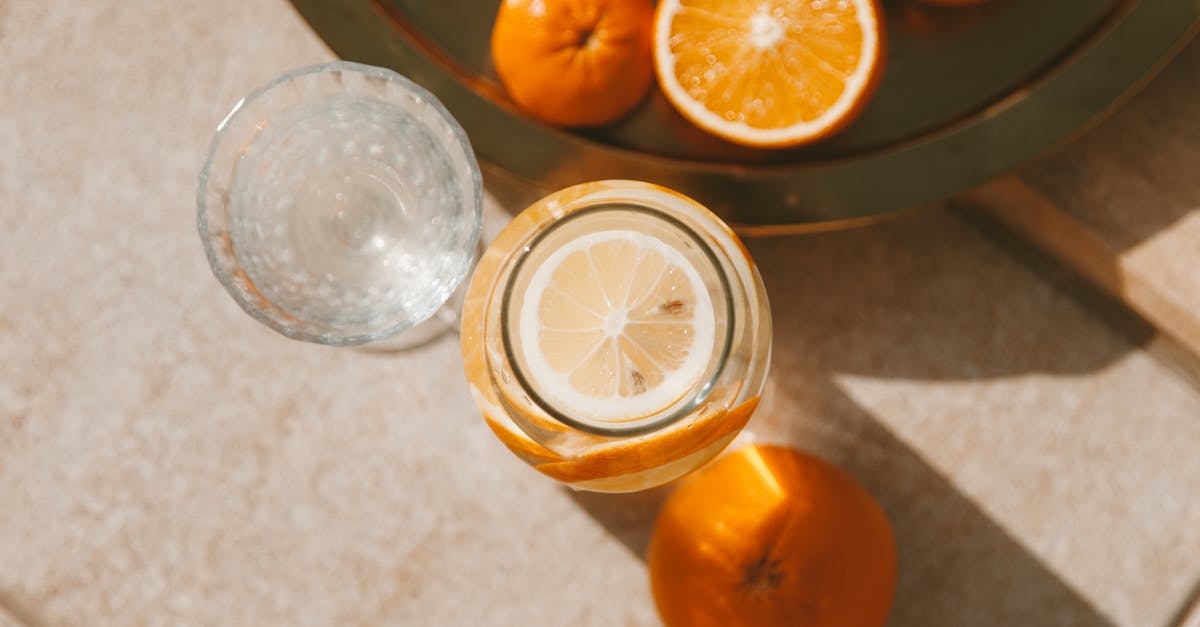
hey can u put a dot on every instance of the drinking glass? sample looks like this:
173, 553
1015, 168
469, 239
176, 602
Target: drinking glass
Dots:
616, 335
340, 204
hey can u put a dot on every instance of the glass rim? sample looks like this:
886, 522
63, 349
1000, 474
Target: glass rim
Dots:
700, 390
428, 99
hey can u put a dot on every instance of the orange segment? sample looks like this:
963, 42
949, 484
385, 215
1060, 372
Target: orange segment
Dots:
656, 476
768, 73
521, 445
641, 454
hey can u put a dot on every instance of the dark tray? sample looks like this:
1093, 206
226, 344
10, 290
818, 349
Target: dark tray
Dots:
967, 94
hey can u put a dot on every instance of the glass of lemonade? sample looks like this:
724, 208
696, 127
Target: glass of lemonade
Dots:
340, 204
616, 335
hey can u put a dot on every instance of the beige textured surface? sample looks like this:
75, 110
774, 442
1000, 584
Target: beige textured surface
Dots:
164, 460
7, 619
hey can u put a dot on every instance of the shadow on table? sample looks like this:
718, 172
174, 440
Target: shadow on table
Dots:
923, 299
18, 613
1134, 173
957, 566
927, 298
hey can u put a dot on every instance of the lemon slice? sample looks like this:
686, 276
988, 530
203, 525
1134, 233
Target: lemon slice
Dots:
616, 326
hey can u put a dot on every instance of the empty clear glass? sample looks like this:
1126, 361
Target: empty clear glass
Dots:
340, 204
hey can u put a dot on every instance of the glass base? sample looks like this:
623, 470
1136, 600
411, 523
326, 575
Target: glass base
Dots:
446, 320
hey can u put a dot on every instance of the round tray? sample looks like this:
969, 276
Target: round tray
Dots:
967, 94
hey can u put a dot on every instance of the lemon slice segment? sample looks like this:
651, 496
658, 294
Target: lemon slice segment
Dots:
616, 326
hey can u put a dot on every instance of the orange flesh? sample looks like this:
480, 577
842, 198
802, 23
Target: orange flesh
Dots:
797, 77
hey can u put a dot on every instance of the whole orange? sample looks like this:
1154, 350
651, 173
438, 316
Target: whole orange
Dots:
772, 536
574, 62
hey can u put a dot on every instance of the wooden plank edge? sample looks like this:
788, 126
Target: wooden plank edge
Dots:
1019, 208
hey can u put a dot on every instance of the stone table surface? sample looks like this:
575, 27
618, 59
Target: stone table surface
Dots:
165, 460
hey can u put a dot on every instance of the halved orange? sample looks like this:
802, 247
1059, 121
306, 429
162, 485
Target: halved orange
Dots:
769, 73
